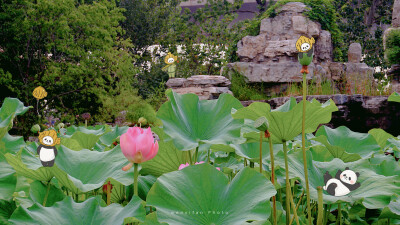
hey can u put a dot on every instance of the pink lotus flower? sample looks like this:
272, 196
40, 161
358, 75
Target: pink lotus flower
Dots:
138, 146
187, 164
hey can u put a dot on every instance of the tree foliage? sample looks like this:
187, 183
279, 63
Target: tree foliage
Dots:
75, 51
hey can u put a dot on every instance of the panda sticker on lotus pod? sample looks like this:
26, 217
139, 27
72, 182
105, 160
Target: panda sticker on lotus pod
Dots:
170, 60
343, 182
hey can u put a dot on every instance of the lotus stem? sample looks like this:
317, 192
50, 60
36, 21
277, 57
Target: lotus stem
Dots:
135, 179
77, 198
297, 206
320, 217
294, 210
339, 215
244, 162
328, 210
303, 145
288, 193
85, 123
271, 152
190, 157
261, 136
37, 107
47, 193
195, 154
208, 156
108, 194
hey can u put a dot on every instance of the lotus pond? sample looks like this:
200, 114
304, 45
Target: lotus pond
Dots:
212, 162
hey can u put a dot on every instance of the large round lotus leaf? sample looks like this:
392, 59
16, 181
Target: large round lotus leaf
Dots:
285, 122
107, 139
375, 190
27, 164
380, 136
392, 211
80, 139
251, 151
200, 194
69, 212
85, 170
190, 122
10, 108
97, 130
349, 142
168, 158
394, 97
38, 192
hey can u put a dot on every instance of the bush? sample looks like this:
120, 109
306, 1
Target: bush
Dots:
393, 47
142, 109
242, 90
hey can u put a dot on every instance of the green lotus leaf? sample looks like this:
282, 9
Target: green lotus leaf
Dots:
191, 122
251, 151
38, 191
394, 97
85, 170
375, 190
69, 212
97, 130
151, 219
336, 151
168, 158
6, 210
392, 211
80, 140
349, 141
11, 107
200, 194
27, 164
108, 138
380, 136
8, 181
285, 122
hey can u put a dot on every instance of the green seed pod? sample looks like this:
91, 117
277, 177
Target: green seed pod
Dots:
261, 124
60, 125
35, 128
305, 58
142, 121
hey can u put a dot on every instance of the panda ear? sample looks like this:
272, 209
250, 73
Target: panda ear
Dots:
347, 168
358, 174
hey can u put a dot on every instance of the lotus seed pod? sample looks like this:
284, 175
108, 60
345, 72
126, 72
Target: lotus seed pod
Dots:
60, 125
261, 124
142, 121
35, 128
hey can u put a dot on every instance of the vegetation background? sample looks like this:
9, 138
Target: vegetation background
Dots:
95, 56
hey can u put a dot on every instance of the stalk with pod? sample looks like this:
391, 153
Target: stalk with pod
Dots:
305, 57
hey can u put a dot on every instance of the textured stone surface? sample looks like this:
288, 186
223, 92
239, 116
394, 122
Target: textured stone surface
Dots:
205, 86
396, 14
355, 53
324, 46
357, 112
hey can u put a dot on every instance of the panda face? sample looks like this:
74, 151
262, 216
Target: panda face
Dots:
348, 176
47, 140
171, 60
305, 46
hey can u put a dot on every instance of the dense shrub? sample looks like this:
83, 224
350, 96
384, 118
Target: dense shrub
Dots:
393, 47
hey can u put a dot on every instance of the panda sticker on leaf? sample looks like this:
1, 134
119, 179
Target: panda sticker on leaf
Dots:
46, 150
342, 184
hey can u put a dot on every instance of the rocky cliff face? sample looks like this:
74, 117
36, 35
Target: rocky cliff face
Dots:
359, 113
271, 56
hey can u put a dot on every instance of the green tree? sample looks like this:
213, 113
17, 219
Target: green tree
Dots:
75, 51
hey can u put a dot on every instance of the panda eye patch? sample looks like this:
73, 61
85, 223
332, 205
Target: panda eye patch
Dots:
349, 178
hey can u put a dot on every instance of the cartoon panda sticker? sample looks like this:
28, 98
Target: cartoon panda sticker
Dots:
342, 184
46, 150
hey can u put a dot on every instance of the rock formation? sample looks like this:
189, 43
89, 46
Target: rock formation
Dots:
271, 56
205, 86
395, 69
359, 113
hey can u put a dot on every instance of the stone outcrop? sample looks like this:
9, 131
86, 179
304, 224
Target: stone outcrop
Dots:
359, 113
355, 53
271, 56
205, 86
396, 14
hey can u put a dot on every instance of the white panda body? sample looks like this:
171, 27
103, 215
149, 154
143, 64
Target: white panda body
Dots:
46, 154
340, 189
